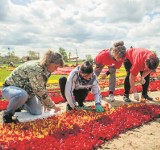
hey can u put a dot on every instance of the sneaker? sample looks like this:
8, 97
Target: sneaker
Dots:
111, 97
18, 110
147, 97
126, 98
8, 119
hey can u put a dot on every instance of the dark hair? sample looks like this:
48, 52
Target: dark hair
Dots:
86, 67
152, 62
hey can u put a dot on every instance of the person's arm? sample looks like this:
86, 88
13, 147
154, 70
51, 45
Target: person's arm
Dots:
39, 89
97, 96
133, 87
103, 76
144, 74
132, 82
70, 86
98, 69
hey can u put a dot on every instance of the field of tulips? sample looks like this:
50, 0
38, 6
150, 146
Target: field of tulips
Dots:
80, 130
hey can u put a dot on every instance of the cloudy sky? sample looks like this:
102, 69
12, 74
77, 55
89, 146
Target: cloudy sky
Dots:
88, 26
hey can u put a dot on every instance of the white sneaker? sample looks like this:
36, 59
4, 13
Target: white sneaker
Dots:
111, 97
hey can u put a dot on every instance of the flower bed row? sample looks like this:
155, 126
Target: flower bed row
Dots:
57, 98
81, 130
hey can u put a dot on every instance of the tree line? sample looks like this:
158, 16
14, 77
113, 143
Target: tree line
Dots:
33, 55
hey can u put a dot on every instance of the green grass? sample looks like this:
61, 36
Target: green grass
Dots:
55, 77
4, 73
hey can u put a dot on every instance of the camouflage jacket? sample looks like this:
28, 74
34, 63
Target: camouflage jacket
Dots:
31, 77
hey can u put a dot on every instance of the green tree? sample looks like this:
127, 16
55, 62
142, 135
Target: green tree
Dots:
89, 58
12, 57
33, 55
1, 59
63, 52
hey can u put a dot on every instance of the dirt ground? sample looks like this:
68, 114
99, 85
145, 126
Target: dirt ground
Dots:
146, 137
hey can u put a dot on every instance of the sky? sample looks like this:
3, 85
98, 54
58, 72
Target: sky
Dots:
84, 26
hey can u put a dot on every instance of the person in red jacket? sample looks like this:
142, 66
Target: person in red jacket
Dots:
113, 58
139, 60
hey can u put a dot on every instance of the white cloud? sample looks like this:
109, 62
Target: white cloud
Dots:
87, 26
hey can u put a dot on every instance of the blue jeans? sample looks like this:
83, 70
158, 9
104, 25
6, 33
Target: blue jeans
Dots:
17, 98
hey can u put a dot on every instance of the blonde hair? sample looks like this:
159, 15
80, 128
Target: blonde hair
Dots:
52, 57
119, 49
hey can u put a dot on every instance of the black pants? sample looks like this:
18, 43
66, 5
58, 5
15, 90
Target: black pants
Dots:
79, 95
128, 65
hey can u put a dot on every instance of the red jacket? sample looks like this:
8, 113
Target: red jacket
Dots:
137, 57
104, 59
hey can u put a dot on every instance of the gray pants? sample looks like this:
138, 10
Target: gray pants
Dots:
112, 77
17, 98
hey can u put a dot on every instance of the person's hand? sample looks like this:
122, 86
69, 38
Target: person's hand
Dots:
103, 76
136, 96
107, 73
46, 109
75, 108
56, 109
99, 108
47, 103
143, 81
108, 105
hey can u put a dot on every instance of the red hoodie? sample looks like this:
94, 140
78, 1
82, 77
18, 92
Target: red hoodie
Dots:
137, 57
104, 59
